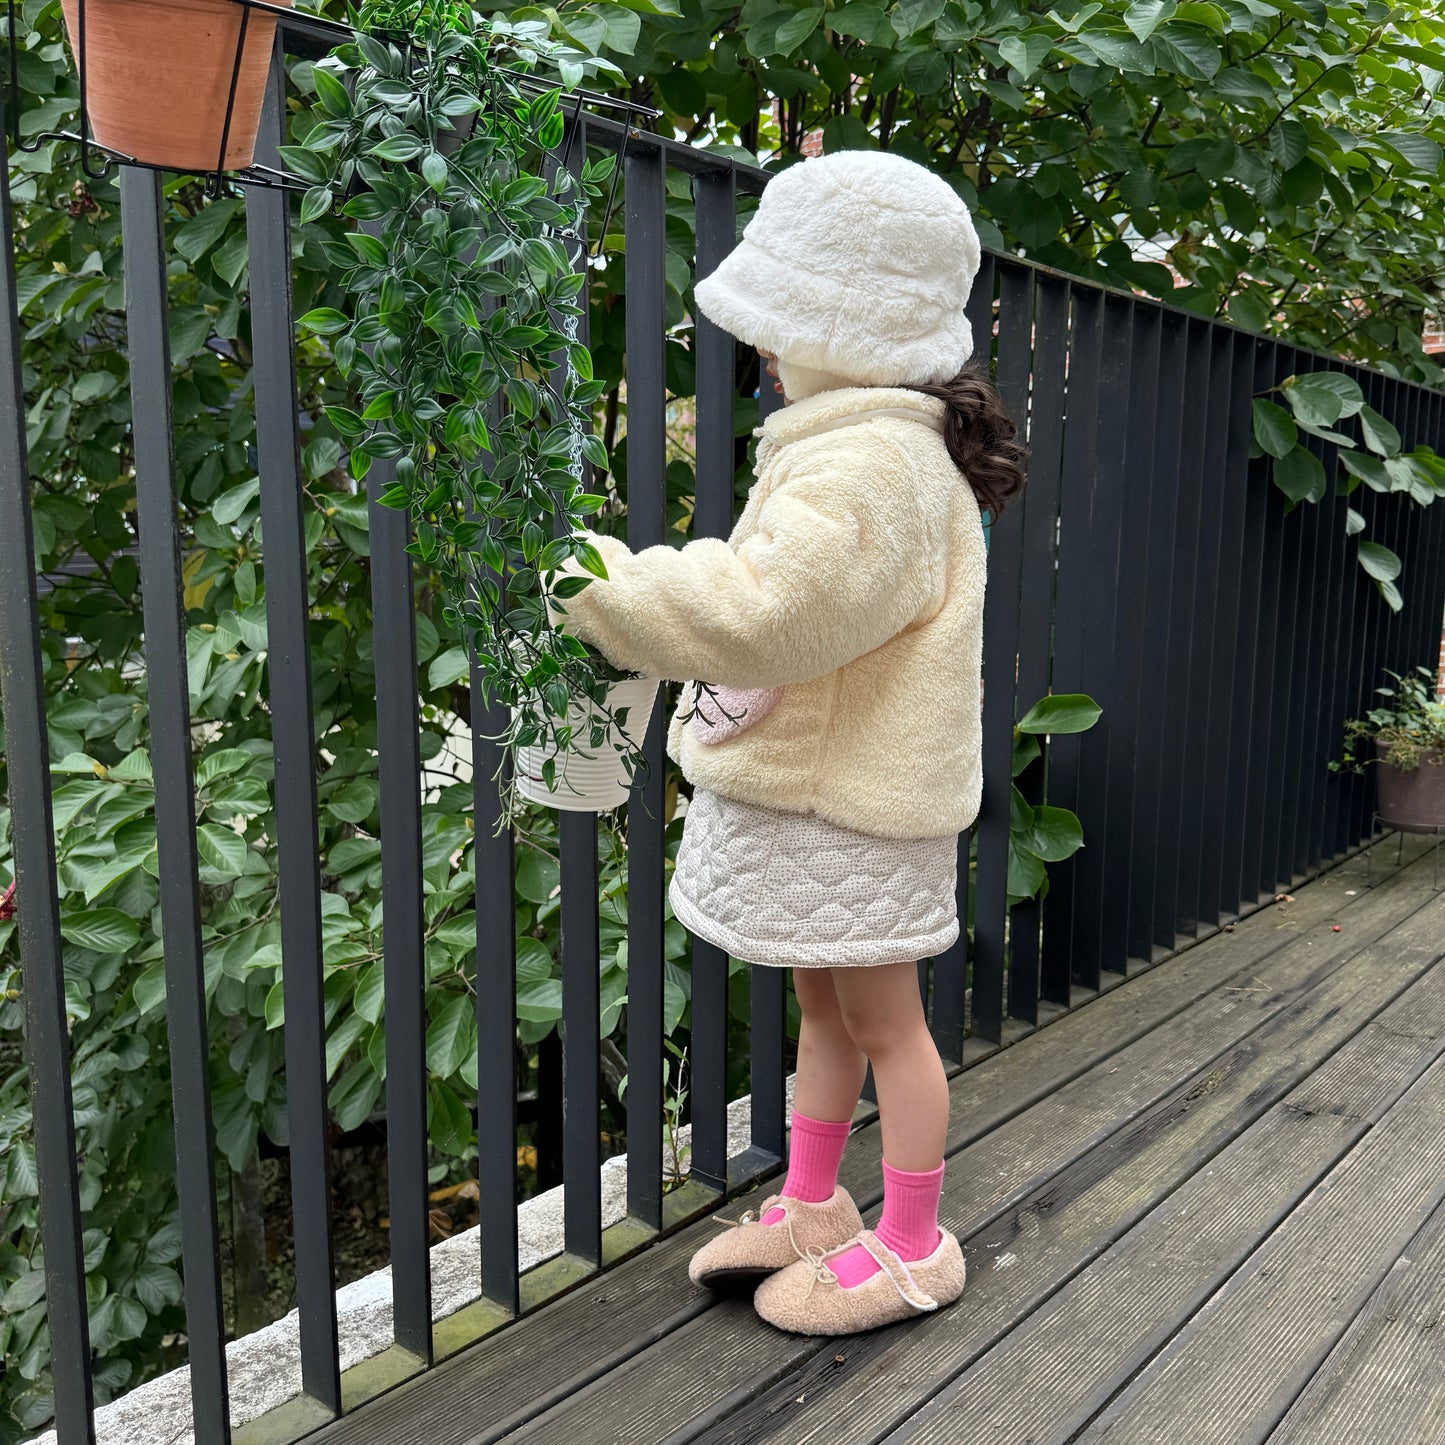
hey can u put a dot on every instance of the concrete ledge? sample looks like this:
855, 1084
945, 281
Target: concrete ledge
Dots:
264, 1368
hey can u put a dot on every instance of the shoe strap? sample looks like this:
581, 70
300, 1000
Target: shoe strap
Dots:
897, 1271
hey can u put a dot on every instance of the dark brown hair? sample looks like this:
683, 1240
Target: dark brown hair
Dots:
981, 436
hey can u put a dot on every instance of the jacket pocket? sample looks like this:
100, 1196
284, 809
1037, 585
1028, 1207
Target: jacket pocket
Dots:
711, 722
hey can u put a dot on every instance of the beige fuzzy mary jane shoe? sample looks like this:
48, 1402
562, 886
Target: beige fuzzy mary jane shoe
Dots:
807, 1299
750, 1249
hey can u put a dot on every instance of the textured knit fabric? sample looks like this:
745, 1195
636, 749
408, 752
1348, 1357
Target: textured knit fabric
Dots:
815, 1150
854, 582
858, 262
908, 1226
792, 890
806, 1297
746, 1248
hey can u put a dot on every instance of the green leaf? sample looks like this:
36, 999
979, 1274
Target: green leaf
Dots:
1274, 428
1380, 436
1056, 834
367, 248
1288, 142
451, 1036
333, 95
537, 876
149, 989
796, 28
324, 321
1143, 16
1300, 475
106, 930
534, 960
434, 171
1025, 870
315, 204
1320, 398
1354, 522
1379, 561
1370, 470
1064, 712
397, 148
221, 850
1249, 310
1026, 52
540, 1002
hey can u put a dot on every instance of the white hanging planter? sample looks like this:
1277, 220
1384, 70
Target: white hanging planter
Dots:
590, 784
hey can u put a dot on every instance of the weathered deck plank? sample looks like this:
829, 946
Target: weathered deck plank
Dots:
1029, 1112
1271, 1323
1385, 1380
1050, 1377
661, 1393
1016, 1263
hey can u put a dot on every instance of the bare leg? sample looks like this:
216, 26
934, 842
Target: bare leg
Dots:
883, 1014
830, 1065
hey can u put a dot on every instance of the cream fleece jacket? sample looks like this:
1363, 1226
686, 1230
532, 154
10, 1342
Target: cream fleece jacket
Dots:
852, 589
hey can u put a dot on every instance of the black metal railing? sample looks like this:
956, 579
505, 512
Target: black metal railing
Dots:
1150, 564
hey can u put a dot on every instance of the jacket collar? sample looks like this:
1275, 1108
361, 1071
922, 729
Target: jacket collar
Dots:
846, 405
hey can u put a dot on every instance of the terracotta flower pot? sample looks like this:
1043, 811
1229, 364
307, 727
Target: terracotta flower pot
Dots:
1413, 801
158, 76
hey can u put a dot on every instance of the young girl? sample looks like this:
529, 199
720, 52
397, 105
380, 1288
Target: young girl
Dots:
834, 748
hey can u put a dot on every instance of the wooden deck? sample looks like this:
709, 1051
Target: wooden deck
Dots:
1206, 1207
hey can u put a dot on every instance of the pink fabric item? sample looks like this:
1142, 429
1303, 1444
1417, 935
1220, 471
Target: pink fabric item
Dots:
748, 705
813, 1158
909, 1225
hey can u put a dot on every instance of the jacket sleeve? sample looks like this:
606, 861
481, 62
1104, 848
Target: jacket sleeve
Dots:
839, 563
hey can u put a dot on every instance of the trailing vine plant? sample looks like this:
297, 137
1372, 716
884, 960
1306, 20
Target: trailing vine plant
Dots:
1318, 403
459, 292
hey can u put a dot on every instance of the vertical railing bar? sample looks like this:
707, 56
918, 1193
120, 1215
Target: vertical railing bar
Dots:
645, 222
1178, 889
163, 618
293, 732
1311, 657
581, 1050
1233, 682
37, 912
1095, 876
713, 508
1036, 603
496, 1023
1337, 814
1328, 612
1000, 623
1079, 470
947, 1018
1376, 612
1267, 516
1001, 618
494, 862
1214, 627
768, 992
404, 978
1161, 632
1137, 528
1287, 676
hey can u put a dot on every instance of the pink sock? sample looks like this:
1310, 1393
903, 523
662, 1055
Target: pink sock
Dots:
813, 1158
909, 1225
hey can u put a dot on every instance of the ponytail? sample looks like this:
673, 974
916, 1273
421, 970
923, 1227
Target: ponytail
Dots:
981, 437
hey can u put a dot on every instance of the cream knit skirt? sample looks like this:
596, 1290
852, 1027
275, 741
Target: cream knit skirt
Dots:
792, 890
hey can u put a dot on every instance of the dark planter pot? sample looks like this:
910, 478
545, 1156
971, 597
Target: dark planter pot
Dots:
1413, 801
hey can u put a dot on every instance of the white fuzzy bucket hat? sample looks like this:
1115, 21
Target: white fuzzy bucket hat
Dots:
857, 263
